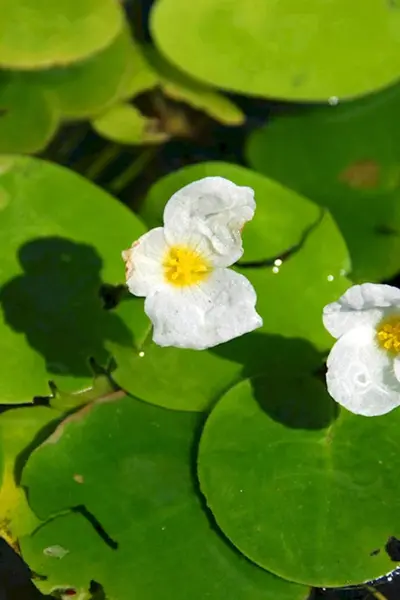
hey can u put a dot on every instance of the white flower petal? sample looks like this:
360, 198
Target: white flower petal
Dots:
214, 209
144, 271
364, 304
204, 315
396, 366
361, 376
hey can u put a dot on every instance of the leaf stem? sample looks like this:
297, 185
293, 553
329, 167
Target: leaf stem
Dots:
375, 593
129, 174
104, 159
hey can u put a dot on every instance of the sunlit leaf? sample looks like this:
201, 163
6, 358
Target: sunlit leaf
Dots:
88, 87
281, 216
28, 119
291, 296
178, 86
292, 49
310, 494
153, 71
345, 157
62, 239
131, 466
18, 430
125, 124
38, 33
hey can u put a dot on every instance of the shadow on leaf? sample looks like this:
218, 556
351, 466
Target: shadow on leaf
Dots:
56, 304
285, 378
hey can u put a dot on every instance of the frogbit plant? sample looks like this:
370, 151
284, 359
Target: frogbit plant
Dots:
364, 364
192, 298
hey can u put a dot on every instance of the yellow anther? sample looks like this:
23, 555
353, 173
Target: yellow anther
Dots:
184, 266
388, 334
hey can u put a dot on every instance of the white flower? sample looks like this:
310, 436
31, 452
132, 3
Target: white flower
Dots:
364, 364
192, 299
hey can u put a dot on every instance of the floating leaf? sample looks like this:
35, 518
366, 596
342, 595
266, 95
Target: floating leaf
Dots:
178, 86
141, 77
62, 240
27, 118
18, 429
303, 491
37, 33
88, 87
153, 71
135, 464
345, 157
125, 124
312, 51
281, 216
291, 297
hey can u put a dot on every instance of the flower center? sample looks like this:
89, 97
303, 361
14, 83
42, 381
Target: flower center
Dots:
388, 334
184, 266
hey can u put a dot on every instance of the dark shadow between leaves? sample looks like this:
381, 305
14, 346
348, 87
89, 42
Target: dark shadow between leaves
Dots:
56, 304
15, 576
285, 378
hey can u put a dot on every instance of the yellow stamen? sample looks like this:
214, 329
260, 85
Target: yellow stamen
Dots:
388, 334
184, 266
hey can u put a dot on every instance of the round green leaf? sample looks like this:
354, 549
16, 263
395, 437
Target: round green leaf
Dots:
291, 296
281, 218
141, 77
27, 118
290, 300
61, 239
293, 49
125, 124
38, 33
303, 491
180, 87
88, 87
18, 430
347, 158
131, 466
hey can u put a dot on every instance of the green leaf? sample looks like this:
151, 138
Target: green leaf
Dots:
18, 430
90, 86
307, 50
38, 33
290, 300
61, 238
125, 124
347, 158
152, 71
141, 77
131, 466
310, 494
178, 86
27, 118
281, 218
291, 296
